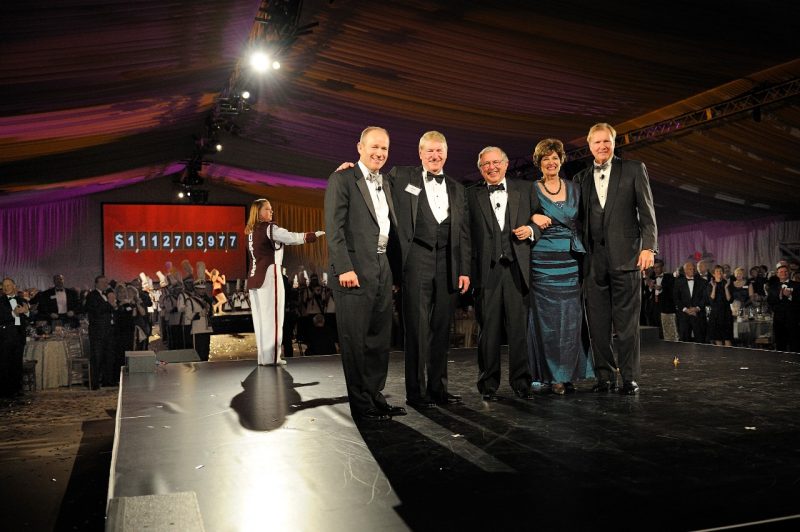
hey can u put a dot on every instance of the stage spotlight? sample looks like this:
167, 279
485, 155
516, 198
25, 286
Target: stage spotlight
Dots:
276, 65
219, 147
181, 194
246, 94
259, 61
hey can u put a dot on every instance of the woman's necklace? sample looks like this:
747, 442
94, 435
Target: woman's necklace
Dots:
556, 193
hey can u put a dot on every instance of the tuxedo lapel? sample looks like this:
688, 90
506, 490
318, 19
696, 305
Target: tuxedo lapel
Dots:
361, 183
486, 206
513, 203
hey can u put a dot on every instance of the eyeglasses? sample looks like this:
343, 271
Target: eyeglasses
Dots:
487, 164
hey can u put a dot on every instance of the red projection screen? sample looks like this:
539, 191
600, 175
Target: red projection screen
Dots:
142, 238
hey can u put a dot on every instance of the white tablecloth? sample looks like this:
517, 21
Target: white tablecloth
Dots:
51, 358
51, 355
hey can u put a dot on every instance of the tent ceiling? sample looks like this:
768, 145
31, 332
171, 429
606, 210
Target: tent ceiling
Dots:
99, 88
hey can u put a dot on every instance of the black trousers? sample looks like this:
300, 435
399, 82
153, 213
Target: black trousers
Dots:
102, 357
364, 321
502, 305
428, 306
613, 301
11, 350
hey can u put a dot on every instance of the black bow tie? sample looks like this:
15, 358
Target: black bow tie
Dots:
601, 167
439, 178
493, 188
59, 289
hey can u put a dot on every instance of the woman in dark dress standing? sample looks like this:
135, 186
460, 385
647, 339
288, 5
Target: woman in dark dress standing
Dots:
557, 352
720, 320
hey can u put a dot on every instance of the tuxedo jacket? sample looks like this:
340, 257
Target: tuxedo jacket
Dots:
629, 218
698, 297
351, 227
522, 203
666, 299
407, 187
783, 308
48, 304
100, 312
6, 315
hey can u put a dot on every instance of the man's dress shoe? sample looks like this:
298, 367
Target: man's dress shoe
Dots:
489, 396
420, 404
524, 394
604, 387
373, 415
629, 388
449, 399
392, 410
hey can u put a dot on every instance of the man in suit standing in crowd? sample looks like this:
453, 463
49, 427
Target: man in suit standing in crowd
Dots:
661, 285
620, 235
359, 216
690, 297
500, 212
433, 230
13, 312
786, 310
58, 302
101, 335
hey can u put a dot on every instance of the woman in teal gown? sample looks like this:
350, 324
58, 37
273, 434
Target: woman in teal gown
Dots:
556, 347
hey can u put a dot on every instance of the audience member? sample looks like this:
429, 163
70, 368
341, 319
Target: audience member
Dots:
100, 311
690, 305
321, 341
58, 303
720, 320
785, 311
662, 284
12, 310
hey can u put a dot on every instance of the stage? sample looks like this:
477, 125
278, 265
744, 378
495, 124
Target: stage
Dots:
711, 442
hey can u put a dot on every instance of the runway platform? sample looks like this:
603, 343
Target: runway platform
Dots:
711, 442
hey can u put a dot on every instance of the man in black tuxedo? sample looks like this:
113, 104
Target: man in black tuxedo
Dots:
785, 310
620, 235
13, 311
58, 302
359, 216
661, 285
101, 335
499, 213
433, 231
691, 298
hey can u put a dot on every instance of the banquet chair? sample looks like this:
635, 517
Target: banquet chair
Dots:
79, 371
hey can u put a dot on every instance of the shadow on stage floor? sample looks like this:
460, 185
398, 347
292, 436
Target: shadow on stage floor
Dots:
710, 442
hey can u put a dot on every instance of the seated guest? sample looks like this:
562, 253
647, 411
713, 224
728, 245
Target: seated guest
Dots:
785, 311
690, 304
58, 303
720, 320
13, 312
320, 339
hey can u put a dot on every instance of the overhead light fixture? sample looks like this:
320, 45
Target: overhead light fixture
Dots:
219, 147
259, 61
245, 94
276, 65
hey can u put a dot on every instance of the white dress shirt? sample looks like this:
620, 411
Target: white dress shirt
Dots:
380, 204
437, 196
499, 200
601, 178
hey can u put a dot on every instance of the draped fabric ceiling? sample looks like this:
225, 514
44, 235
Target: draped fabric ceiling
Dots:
105, 93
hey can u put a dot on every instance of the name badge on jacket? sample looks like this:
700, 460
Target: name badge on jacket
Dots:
411, 189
